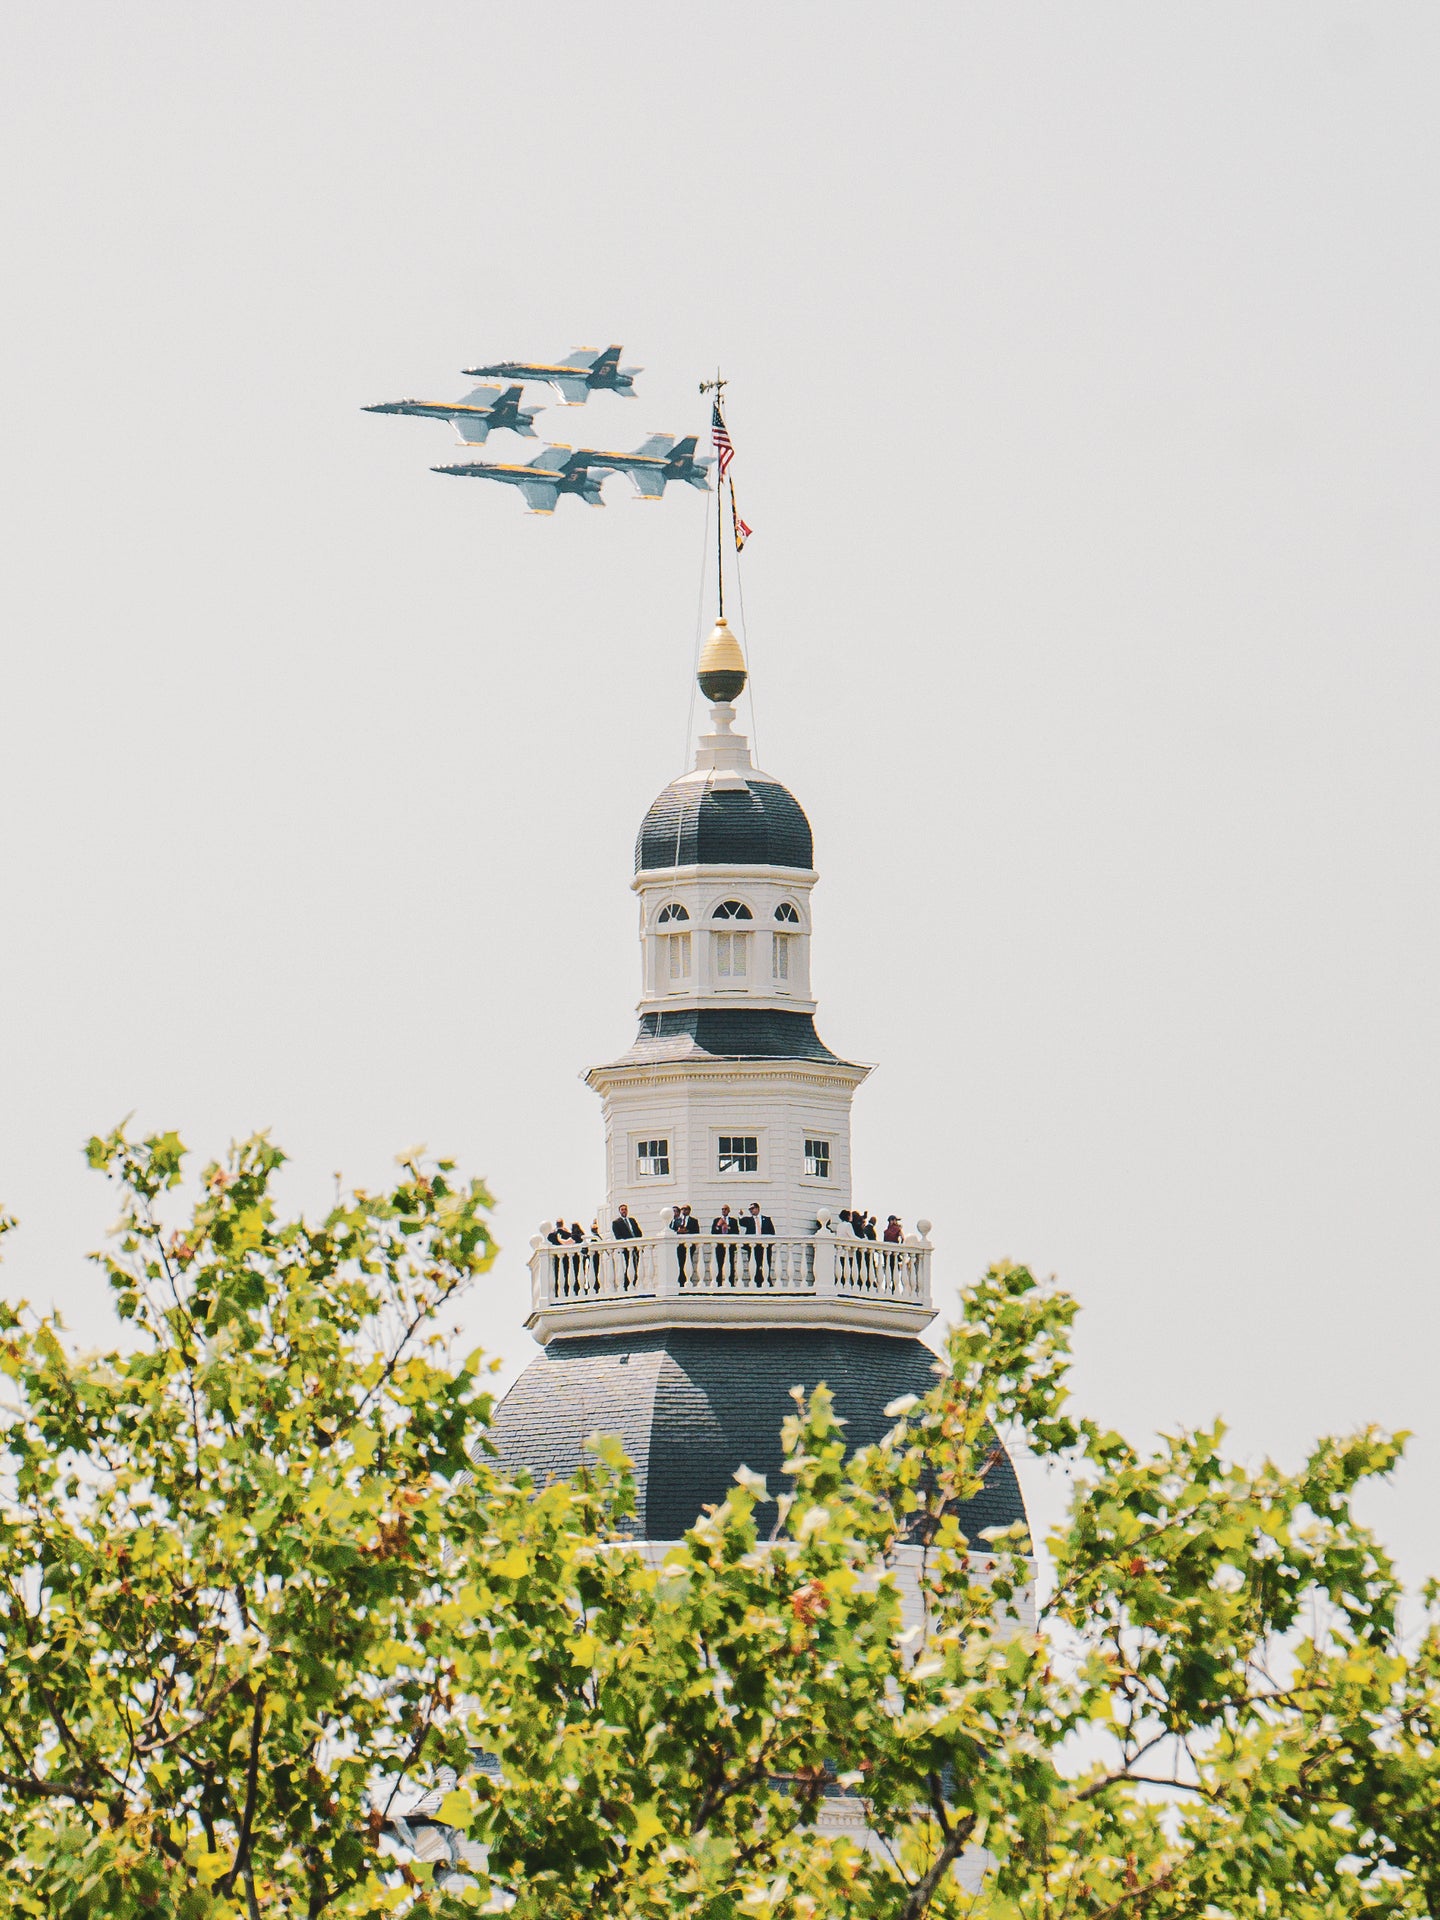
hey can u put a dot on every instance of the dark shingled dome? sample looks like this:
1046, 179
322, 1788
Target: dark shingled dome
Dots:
695, 825
692, 1404
739, 1033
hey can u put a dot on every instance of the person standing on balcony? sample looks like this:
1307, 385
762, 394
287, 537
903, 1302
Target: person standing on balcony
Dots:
755, 1222
626, 1227
894, 1232
725, 1225
559, 1236
682, 1222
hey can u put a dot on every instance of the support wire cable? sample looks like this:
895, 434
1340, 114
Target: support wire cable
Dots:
694, 670
745, 634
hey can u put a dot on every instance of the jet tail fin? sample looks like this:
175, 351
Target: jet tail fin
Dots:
551, 459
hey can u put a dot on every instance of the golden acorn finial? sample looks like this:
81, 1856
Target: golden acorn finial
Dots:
722, 664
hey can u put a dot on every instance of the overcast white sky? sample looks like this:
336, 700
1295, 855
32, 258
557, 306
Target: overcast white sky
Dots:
1084, 386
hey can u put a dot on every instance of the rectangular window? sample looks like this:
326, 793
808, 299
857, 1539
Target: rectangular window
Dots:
738, 1153
817, 1159
679, 945
730, 955
652, 1158
782, 954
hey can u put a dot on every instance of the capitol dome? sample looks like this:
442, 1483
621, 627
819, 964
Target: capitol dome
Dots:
725, 1267
693, 1405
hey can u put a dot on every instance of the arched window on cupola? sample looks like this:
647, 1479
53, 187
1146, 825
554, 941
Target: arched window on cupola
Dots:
782, 946
730, 952
674, 948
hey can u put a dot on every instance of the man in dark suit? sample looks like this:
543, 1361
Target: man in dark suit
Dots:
626, 1227
755, 1222
726, 1226
559, 1236
683, 1221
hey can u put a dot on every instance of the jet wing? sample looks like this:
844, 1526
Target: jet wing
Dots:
650, 483
540, 495
574, 388
473, 428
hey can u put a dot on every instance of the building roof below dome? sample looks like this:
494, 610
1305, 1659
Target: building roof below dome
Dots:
692, 1406
726, 1033
755, 824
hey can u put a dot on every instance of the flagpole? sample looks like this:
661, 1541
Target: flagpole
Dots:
717, 386
719, 523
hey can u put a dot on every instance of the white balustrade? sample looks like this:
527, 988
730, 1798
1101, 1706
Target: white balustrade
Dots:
761, 1270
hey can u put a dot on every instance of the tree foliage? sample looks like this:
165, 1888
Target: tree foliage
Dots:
263, 1584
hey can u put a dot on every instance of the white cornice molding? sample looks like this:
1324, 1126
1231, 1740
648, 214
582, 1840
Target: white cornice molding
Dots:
668, 876
650, 1073
575, 1318
718, 1000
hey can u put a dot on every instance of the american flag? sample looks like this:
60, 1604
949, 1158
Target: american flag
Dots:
720, 434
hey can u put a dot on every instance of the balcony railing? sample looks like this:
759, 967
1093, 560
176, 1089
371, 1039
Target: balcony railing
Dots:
712, 1277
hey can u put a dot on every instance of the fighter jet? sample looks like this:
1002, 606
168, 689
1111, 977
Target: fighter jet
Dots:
477, 415
661, 458
574, 379
553, 471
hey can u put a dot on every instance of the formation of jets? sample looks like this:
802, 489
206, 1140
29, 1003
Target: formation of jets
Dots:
556, 469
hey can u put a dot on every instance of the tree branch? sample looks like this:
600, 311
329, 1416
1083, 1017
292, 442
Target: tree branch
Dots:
923, 1891
51, 1789
252, 1782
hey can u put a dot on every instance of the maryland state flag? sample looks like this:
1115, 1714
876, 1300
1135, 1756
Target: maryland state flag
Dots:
742, 532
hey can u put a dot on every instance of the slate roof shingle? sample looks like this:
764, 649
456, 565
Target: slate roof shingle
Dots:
736, 1033
690, 824
691, 1405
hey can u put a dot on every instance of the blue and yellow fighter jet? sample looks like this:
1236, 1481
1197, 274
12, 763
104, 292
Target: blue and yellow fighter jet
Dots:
586, 371
553, 471
474, 417
661, 458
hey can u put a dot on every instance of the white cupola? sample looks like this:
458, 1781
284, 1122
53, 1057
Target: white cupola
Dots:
728, 1097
